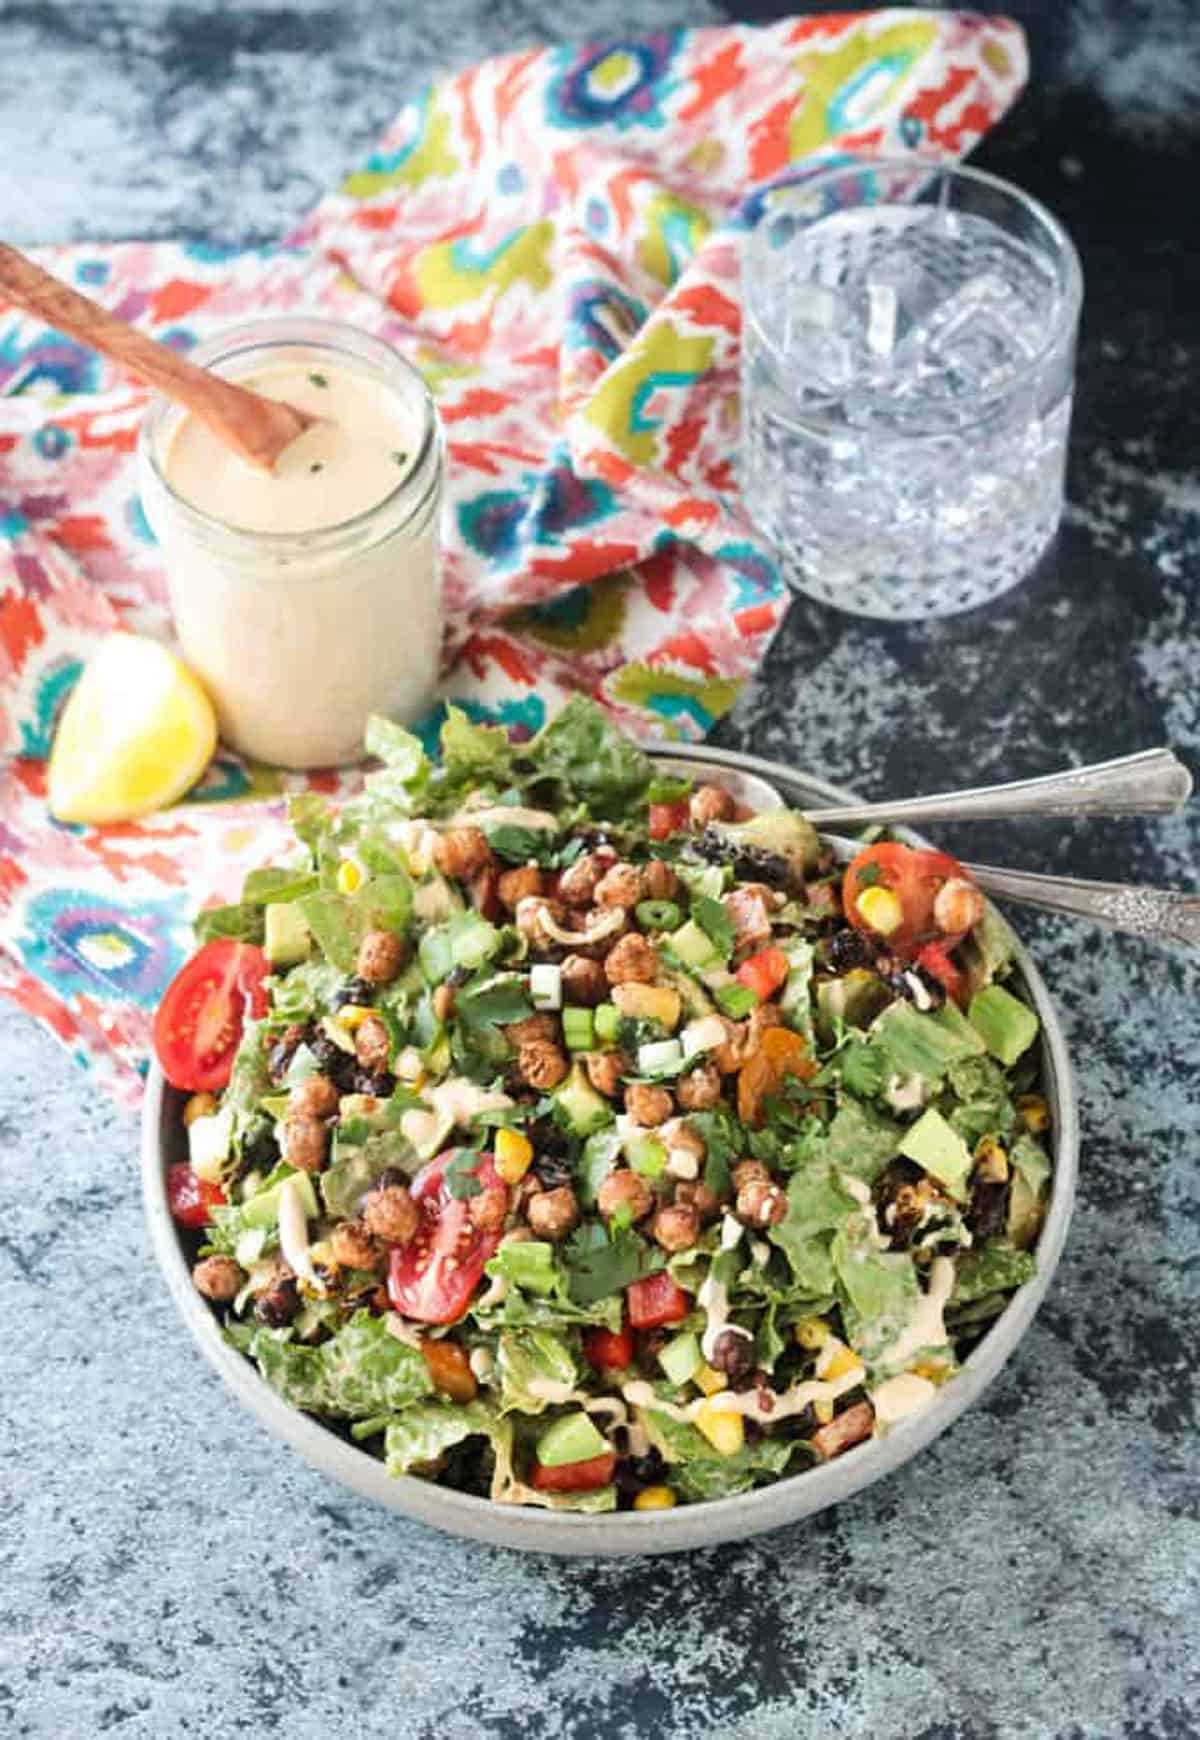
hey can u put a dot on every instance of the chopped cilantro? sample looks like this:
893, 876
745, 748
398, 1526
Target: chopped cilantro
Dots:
318, 380
715, 922
493, 1005
460, 1177
869, 876
601, 1263
400, 458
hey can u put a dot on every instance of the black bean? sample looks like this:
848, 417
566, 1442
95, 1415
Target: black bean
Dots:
849, 948
987, 1216
279, 1304
733, 1354
353, 991
380, 1084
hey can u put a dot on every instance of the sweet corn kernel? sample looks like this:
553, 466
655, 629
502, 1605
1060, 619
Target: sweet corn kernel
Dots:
349, 877
823, 1410
879, 907
725, 1430
1034, 1112
932, 1371
992, 1160
710, 1381
352, 1016
514, 1153
655, 1498
836, 1360
199, 1106
812, 1333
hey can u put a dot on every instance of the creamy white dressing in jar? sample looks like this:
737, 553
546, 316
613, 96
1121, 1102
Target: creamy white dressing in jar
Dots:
308, 597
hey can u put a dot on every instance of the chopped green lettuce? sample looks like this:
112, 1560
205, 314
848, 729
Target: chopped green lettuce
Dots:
339, 922
583, 750
877, 1289
536, 1367
425, 1430
861, 1140
360, 1371
995, 1268
529, 1265
913, 1043
698, 1472
817, 1205
473, 755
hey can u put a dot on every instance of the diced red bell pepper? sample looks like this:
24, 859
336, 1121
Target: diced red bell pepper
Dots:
655, 1301
668, 819
764, 972
609, 1349
934, 957
575, 1476
191, 1199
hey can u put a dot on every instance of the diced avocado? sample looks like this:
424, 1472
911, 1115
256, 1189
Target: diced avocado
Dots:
693, 946
856, 998
932, 1144
646, 1154
694, 1000
427, 1131
263, 1209
286, 938
781, 832
1007, 1026
583, 1108
681, 1357
572, 1439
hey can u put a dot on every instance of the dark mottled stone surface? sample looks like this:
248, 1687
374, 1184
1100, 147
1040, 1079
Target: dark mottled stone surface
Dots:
167, 1571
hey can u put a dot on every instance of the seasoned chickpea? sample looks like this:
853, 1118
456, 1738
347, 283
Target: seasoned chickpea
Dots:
660, 880
605, 1070
442, 1003
647, 1104
700, 1089
529, 916
736, 1049
631, 961
760, 1019
305, 1142
710, 803
750, 1172
542, 1065
316, 1097
623, 885
489, 1209
706, 1202
760, 1204
373, 1044
390, 1213
677, 1227
218, 1278
353, 1246
533, 1027
552, 1214
380, 957
462, 853
957, 906
517, 885
577, 884
624, 1190
681, 1135
583, 981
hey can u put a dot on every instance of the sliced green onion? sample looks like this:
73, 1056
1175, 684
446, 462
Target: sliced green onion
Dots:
658, 914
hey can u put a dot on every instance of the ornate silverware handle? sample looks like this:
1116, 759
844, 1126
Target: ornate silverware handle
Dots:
1160, 914
1150, 783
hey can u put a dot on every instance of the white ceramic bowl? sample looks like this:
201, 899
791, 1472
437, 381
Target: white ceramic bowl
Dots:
631, 1532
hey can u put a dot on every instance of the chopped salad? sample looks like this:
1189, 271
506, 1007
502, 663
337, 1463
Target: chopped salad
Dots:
565, 1134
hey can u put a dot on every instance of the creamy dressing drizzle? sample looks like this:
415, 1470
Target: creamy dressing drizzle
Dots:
901, 1396
640, 1394
512, 814
713, 1297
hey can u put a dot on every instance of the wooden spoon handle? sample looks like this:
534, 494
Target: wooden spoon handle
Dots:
256, 427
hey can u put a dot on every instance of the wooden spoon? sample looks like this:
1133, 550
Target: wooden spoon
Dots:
256, 428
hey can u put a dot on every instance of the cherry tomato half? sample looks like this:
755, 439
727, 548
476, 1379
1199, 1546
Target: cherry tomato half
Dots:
609, 1349
200, 1019
764, 973
655, 1301
914, 876
934, 957
575, 1476
432, 1278
668, 819
191, 1199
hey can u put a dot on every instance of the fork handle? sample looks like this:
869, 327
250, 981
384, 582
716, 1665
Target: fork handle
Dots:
1151, 783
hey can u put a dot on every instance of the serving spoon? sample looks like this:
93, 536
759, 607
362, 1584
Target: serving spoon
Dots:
256, 428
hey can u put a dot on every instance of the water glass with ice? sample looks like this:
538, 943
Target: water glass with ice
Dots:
907, 370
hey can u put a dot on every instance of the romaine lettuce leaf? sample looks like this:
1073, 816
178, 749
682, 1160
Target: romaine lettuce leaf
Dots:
339, 922
860, 1140
924, 1045
474, 755
507, 1489
585, 751
996, 1268
306, 990
529, 1361
1031, 1161
982, 1105
424, 1430
877, 1289
360, 1371
817, 1205
697, 1472
397, 748
358, 1165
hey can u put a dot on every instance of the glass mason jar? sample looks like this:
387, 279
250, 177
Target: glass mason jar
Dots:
298, 636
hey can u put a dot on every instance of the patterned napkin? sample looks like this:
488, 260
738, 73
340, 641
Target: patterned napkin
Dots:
553, 239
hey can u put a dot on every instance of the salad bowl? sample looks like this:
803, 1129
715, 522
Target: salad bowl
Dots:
687, 1527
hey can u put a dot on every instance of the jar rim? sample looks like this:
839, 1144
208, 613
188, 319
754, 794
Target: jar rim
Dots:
350, 345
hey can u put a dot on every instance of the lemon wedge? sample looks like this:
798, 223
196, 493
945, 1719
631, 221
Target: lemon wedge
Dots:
136, 733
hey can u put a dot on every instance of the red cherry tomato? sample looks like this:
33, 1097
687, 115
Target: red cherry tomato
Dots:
575, 1476
200, 1019
609, 1349
668, 819
764, 972
191, 1199
914, 877
935, 958
432, 1278
655, 1301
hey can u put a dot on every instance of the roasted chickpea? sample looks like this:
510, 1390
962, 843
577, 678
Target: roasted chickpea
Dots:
750, 1172
373, 1044
706, 1202
544, 1027
517, 885
760, 1204
647, 1104
605, 1070
623, 885
676, 1227
542, 1065
489, 1209
277, 1297
957, 906
305, 1142
462, 853
583, 981
353, 1246
624, 1190
736, 1049
316, 1097
552, 1214
660, 880
710, 803
218, 1278
577, 884
700, 1089
631, 961
380, 957
390, 1213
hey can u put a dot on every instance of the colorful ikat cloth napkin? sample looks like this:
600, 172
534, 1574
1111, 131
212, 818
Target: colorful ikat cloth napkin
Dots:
553, 239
